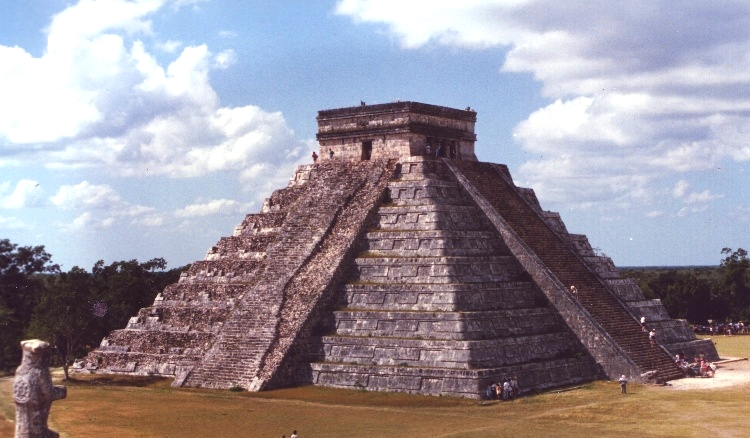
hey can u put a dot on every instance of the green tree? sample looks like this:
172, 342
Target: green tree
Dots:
78, 309
127, 286
735, 282
20, 289
68, 315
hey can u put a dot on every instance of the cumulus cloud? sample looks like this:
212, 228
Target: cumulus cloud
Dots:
98, 98
27, 193
680, 188
86, 195
211, 208
13, 223
85, 221
225, 59
100, 206
639, 90
680, 191
169, 46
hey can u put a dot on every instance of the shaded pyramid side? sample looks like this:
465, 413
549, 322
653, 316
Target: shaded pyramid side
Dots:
604, 323
675, 335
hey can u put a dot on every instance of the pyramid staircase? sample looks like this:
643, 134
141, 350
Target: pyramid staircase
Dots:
597, 299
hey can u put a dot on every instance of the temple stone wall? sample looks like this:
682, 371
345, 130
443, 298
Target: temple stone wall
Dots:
396, 130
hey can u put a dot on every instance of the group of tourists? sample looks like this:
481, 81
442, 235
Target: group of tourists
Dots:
505, 391
700, 367
725, 328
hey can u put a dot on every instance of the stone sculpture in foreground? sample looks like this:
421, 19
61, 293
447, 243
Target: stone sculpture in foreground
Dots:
399, 262
34, 392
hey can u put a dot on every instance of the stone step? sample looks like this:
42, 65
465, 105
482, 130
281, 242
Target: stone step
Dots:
426, 192
172, 318
443, 297
223, 271
243, 247
627, 289
260, 223
434, 243
459, 383
430, 217
416, 168
439, 269
449, 353
197, 292
157, 342
139, 364
448, 325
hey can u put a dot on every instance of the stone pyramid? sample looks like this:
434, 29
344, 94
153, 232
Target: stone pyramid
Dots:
399, 262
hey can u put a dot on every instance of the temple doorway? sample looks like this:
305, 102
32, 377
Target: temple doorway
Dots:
366, 150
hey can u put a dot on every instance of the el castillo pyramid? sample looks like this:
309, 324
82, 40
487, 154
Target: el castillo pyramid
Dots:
398, 262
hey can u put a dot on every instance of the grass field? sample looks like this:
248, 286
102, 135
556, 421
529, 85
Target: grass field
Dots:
144, 407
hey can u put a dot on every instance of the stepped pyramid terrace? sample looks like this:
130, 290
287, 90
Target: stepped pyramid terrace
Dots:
399, 262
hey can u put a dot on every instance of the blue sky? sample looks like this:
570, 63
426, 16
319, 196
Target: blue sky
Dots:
141, 129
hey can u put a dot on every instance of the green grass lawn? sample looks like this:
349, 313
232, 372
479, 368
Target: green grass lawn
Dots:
127, 407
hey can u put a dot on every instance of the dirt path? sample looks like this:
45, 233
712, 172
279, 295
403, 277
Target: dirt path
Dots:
729, 372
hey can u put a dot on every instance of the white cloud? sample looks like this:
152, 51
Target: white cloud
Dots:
98, 98
86, 221
680, 191
211, 208
26, 194
86, 195
680, 188
225, 59
13, 223
100, 206
640, 90
149, 221
169, 46
702, 197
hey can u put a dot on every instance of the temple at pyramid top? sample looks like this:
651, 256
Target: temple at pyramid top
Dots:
396, 130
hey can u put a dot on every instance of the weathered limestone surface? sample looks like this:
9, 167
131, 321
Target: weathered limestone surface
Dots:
319, 227
437, 304
399, 264
175, 333
34, 392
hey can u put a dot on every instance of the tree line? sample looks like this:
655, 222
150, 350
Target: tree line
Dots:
72, 310
719, 293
